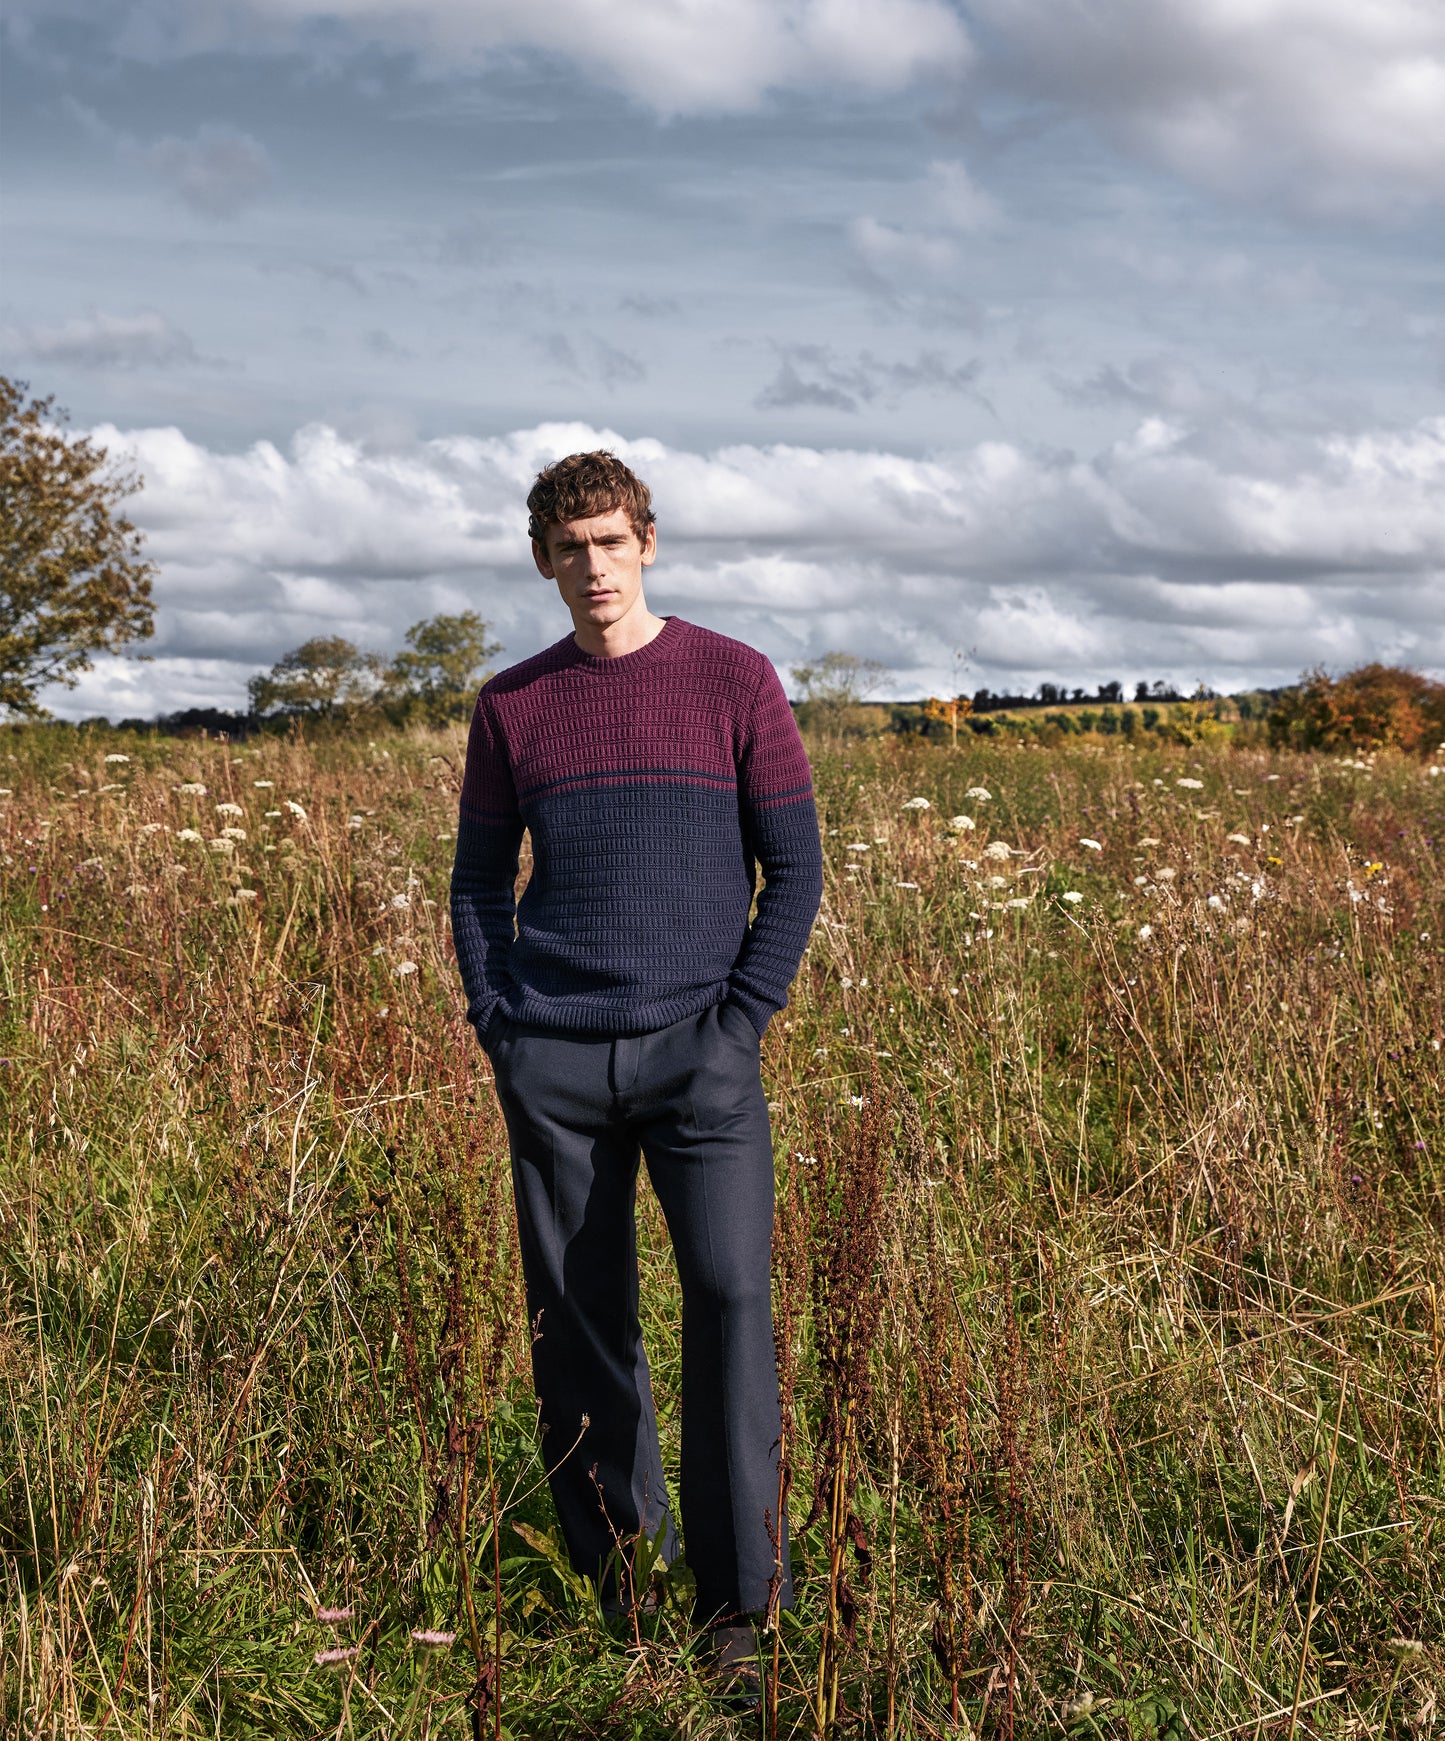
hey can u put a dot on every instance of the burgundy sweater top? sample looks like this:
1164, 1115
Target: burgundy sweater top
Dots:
655, 785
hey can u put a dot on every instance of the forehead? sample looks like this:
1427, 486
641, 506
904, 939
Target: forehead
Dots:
591, 530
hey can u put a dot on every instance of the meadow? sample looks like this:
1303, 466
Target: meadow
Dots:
1110, 1259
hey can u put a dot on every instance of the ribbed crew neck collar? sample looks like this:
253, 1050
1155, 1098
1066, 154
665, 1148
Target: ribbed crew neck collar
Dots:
617, 664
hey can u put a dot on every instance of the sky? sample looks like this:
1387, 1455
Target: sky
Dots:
1000, 341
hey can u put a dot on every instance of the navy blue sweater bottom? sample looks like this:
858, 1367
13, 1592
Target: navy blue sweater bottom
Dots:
580, 1113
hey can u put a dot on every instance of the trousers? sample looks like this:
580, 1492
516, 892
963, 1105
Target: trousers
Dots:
581, 1112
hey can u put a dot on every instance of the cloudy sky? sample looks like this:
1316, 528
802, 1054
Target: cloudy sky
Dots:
1000, 340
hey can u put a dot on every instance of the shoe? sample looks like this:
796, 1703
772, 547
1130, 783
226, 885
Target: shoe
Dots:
732, 1667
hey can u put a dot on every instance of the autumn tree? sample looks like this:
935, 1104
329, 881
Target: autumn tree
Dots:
437, 676
72, 579
950, 713
326, 677
1374, 707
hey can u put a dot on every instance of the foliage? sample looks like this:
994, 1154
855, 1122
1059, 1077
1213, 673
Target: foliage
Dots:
833, 688
324, 678
72, 580
1141, 1333
436, 679
948, 713
1373, 707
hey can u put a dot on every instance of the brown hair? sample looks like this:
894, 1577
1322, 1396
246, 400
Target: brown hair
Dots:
585, 484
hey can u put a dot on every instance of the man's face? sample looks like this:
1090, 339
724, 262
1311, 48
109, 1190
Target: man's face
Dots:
597, 564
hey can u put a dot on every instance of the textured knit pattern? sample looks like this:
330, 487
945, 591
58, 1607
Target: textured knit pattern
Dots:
655, 785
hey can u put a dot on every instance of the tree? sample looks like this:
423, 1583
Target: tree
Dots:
321, 679
949, 713
834, 686
438, 678
1372, 708
72, 580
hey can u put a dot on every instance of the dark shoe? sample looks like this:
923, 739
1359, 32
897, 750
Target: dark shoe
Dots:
732, 1667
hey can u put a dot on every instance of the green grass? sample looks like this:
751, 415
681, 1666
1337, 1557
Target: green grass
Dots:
1147, 1319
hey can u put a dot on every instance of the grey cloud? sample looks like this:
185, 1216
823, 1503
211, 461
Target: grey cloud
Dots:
811, 375
592, 358
217, 172
107, 341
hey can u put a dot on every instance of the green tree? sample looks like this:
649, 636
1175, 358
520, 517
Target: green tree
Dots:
437, 677
324, 678
72, 580
834, 687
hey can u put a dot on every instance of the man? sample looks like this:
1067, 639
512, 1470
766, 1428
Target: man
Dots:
622, 1002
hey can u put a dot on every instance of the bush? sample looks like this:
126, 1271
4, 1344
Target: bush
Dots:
1375, 707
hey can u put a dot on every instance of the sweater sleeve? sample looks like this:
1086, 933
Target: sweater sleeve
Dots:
484, 874
780, 820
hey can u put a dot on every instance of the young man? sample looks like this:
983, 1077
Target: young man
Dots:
621, 1003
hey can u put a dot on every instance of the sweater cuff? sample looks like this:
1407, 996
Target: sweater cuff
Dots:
757, 1012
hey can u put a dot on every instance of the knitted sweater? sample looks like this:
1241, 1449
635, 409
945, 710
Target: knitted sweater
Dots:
654, 785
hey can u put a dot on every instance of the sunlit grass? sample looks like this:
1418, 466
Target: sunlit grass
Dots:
1147, 1044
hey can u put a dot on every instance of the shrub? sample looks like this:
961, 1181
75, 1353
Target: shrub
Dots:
1374, 707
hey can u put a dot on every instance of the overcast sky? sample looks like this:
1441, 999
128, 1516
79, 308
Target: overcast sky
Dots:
1004, 340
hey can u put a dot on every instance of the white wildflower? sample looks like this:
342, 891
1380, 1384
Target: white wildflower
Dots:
1149, 840
1239, 839
1167, 874
353, 822
403, 968
982, 793
188, 834
234, 833
92, 864
399, 901
1193, 785
263, 785
173, 872
229, 810
1146, 932
1139, 882
268, 814
961, 824
1072, 896
245, 894
1216, 902
998, 882
134, 889
845, 982
1017, 902
295, 809
857, 846
432, 1640
905, 885
917, 804
192, 789
221, 844
149, 828
117, 757
1093, 845
997, 849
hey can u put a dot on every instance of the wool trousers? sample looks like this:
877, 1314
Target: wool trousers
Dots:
581, 1112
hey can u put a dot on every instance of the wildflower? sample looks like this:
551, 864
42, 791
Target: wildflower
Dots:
295, 809
192, 789
270, 813
1017, 902
1241, 839
234, 833
263, 785
1149, 840
403, 968
353, 822
400, 901
221, 844
982, 793
117, 757
432, 1640
1167, 874
1139, 882
173, 872
1093, 845
917, 804
338, 1656
332, 1615
1072, 896
998, 882
1079, 1707
905, 885
188, 834
845, 982
1407, 1647
1193, 785
229, 810
997, 849
857, 1100
857, 846
244, 895
1217, 902
134, 889
1146, 932
961, 824
1373, 869
92, 864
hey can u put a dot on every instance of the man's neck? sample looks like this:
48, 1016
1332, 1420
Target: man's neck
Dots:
626, 635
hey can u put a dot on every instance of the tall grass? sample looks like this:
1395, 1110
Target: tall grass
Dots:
1110, 1257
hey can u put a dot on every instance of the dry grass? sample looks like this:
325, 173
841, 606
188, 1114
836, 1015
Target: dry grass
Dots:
1120, 1412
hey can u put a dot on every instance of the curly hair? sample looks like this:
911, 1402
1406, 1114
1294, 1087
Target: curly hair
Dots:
585, 484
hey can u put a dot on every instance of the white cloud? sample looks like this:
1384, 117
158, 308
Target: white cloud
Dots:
1335, 105
1167, 552
672, 56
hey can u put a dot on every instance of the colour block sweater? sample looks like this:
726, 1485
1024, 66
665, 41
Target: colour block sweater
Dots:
654, 785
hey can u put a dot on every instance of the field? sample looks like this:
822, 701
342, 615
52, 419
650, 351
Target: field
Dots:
1110, 1259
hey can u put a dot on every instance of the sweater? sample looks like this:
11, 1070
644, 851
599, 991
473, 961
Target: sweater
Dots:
654, 785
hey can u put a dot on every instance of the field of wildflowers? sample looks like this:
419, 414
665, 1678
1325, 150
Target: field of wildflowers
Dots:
1110, 1259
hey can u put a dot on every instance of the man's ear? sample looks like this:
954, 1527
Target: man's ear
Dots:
649, 547
543, 561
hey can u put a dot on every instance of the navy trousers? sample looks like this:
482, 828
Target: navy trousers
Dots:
580, 1111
